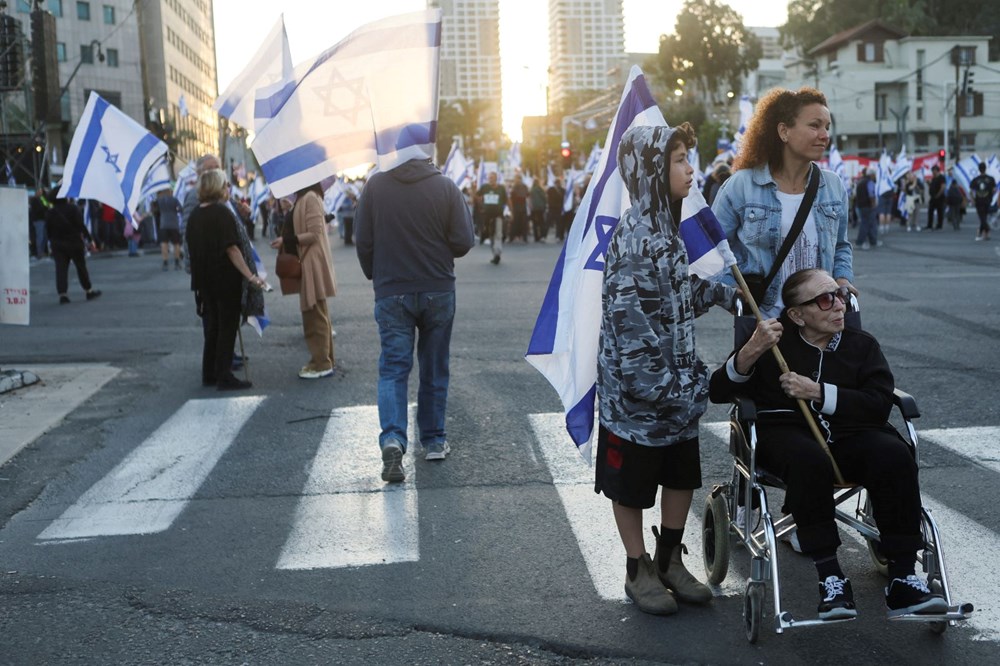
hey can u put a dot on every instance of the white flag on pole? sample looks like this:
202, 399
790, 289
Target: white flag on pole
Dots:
372, 97
109, 157
182, 106
271, 64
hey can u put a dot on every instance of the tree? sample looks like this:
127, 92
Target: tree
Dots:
710, 49
810, 22
468, 119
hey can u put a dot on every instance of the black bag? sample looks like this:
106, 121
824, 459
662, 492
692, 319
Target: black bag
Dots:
757, 283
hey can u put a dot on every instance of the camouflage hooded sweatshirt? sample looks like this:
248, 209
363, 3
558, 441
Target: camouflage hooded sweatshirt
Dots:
652, 386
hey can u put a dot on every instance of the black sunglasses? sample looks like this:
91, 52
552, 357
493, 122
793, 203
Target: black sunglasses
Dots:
825, 301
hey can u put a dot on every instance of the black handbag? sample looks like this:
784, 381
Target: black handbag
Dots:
757, 283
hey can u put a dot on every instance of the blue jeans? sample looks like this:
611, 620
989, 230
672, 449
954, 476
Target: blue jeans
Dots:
399, 320
868, 227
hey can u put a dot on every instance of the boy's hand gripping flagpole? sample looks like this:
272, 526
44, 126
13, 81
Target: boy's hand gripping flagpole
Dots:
784, 368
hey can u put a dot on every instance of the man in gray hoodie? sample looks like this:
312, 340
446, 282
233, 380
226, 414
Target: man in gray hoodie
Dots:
410, 225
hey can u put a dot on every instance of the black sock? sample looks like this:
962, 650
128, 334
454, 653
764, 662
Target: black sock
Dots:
901, 566
827, 565
632, 567
669, 539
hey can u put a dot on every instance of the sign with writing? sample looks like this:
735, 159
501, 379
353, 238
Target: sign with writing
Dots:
14, 269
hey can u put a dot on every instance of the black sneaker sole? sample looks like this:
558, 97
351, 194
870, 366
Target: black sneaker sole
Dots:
838, 614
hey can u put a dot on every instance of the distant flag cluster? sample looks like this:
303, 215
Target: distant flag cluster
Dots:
564, 343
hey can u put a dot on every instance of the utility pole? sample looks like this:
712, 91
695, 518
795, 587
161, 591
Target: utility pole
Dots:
959, 103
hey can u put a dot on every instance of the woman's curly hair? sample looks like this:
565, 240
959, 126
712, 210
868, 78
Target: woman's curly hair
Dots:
761, 143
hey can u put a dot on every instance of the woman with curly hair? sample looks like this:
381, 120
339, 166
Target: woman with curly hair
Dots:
758, 205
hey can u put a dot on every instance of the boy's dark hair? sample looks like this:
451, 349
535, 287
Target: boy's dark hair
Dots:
683, 134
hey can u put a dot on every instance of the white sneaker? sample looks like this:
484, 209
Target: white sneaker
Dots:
437, 451
754, 517
306, 373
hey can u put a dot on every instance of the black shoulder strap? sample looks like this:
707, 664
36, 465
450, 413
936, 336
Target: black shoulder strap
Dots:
797, 224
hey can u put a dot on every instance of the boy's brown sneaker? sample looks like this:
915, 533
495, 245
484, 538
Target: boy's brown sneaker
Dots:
677, 578
647, 592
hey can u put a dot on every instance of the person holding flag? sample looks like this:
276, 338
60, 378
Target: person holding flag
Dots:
652, 388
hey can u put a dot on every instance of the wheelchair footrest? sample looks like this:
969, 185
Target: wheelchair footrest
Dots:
957, 612
786, 621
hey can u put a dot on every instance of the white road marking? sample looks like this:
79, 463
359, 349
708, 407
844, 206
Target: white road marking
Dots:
590, 515
28, 412
147, 490
979, 444
348, 516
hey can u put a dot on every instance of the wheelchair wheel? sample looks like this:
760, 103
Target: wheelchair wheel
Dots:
753, 610
715, 538
880, 561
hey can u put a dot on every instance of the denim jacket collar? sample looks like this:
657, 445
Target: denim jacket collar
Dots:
762, 176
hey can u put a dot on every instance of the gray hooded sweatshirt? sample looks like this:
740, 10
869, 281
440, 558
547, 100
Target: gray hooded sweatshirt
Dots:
652, 387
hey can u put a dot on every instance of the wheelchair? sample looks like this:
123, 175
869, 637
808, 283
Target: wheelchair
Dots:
747, 490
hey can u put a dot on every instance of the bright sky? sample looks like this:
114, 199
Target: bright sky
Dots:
241, 25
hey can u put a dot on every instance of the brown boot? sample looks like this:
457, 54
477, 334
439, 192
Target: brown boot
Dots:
677, 578
648, 592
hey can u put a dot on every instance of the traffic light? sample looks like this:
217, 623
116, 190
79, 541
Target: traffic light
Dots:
567, 154
941, 155
11, 60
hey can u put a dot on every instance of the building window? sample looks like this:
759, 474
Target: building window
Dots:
972, 104
109, 15
55, 6
920, 113
87, 54
61, 51
112, 55
881, 106
921, 61
871, 52
83, 11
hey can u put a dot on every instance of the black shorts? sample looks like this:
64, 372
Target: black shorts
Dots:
170, 236
630, 473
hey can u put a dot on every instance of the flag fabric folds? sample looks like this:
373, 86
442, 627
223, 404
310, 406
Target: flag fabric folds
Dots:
883, 177
903, 166
456, 167
564, 343
109, 157
157, 179
272, 64
708, 250
372, 97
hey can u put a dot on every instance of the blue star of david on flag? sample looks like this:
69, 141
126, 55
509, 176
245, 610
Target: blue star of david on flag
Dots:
111, 159
604, 227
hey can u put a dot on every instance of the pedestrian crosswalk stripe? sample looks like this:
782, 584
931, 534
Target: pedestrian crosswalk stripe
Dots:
348, 516
979, 444
147, 490
590, 515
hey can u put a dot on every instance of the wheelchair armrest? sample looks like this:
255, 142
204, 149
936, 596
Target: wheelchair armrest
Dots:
907, 405
746, 408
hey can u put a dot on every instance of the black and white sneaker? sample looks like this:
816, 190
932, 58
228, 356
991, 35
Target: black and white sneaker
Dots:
836, 600
910, 595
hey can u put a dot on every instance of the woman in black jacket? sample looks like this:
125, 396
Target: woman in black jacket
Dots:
66, 231
846, 381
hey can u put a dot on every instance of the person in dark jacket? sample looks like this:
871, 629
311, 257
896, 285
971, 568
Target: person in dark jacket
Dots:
848, 385
410, 225
66, 231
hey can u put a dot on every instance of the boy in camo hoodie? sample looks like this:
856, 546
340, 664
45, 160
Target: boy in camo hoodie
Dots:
652, 387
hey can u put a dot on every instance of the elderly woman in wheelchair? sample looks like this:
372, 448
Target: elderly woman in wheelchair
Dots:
846, 381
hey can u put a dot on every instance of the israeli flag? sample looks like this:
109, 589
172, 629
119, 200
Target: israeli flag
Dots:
157, 179
109, 157
186, 179
456, 167
564, 343
514, 157
593, 158
902, 166
271, 64
965, 170
372, 97
334, 196
707, 248
10, 173
694, 159
901, 205
572, 176
838, 166
182, 106
883, 178
481, 174
746, 113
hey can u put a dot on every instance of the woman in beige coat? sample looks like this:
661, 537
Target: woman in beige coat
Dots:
318, 280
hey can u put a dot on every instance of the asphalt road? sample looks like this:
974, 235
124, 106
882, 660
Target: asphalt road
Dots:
490, 561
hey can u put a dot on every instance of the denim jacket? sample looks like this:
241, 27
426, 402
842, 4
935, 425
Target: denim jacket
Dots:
748, 208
